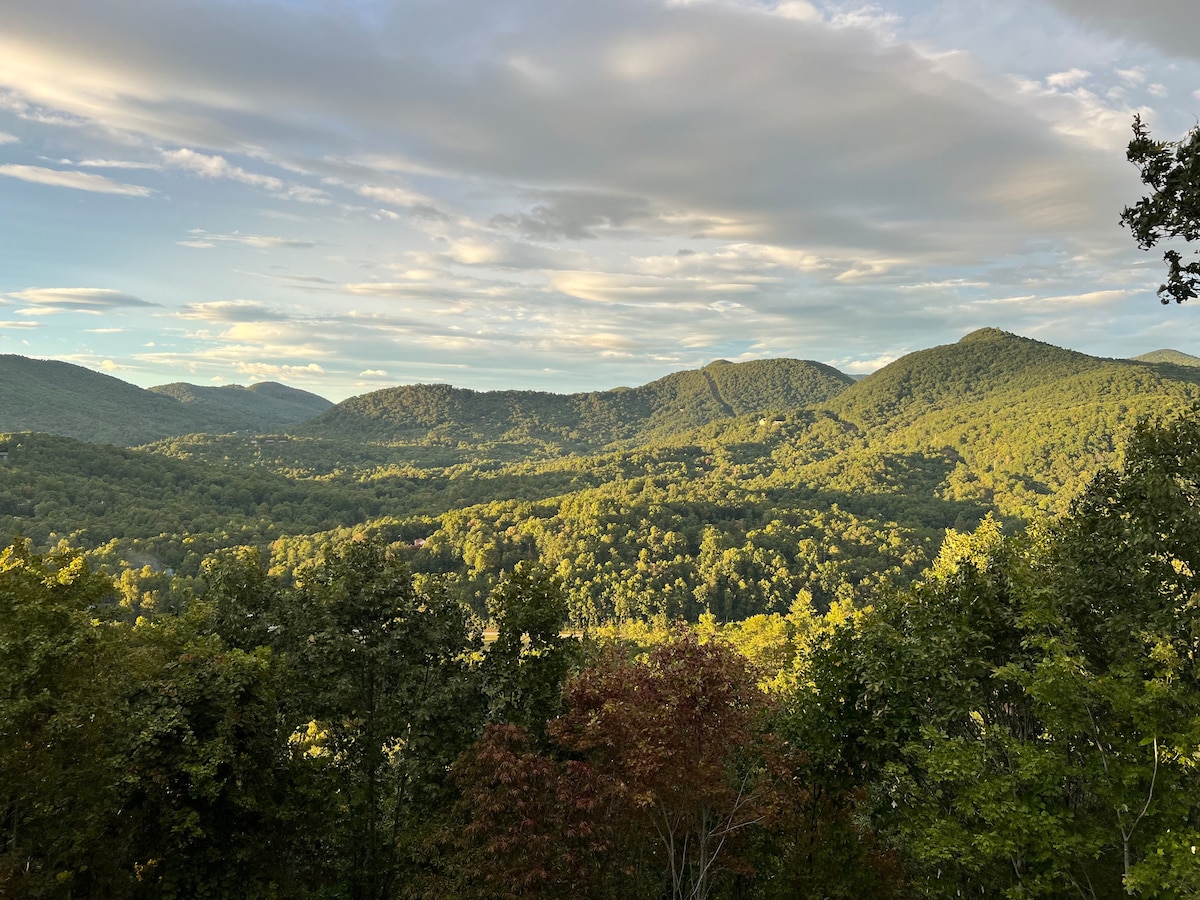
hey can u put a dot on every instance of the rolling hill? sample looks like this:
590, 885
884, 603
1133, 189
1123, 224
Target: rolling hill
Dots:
64, 399
1027, 423
1171, 357
438, 413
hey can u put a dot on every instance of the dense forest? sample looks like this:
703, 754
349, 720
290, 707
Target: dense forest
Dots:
758, 630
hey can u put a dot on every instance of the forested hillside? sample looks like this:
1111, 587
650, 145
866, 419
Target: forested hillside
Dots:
259, 407
1017, 718
69, 400
736, 517
1170, 357
556, 423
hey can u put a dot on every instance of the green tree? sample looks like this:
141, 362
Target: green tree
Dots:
1171, 169
209, 801
385, 703
1120, 639
527, 665
62, 725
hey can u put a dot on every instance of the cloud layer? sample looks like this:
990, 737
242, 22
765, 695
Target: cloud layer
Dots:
579, 194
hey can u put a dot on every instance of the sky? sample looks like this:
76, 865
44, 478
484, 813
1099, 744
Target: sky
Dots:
567, 195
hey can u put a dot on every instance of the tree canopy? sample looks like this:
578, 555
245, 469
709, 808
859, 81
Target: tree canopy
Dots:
1171, 169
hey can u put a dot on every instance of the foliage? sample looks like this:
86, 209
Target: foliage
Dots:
59, 747
384, 703
1171, 169
527, 665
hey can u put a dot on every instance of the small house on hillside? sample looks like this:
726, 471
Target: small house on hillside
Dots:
3, 453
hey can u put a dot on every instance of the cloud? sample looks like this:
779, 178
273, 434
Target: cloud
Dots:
217, 167
522, 187
372, 373
275, 371
1169, 25
6, 138
1068, 79
202, 239
12, 324
855, 366
79, 181
397, 196
112, 164
761, 125
574, 215
84, 300
231, 311
1134, 77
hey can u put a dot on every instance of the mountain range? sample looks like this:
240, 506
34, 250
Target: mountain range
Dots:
776, 472
987, 374
65, 399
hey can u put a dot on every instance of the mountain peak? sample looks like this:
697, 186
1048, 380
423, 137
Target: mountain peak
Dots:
1172, 357
980, 335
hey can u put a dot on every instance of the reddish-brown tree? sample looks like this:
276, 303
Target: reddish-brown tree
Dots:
537, 826
679, 737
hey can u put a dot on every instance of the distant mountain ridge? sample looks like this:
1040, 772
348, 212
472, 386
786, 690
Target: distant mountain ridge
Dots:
1171, 357
583, 421
977, 398
995, 422
69, 400
268, 402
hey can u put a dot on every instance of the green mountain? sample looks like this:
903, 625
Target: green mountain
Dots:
266, 406
61, 398
1026, 423
441, 414
733, 488
1171, 357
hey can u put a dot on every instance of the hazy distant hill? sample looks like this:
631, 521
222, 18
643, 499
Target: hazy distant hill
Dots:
441, 413
65, 399
265, 406
1172, 357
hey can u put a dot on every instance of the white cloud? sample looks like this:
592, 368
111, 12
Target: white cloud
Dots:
112, 164
6, 138
274, 371
217, 167
798, 9
1068, 79
855, 366
89, 300
202, 239
231, 311
79, 181
1134, 77
397, 196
